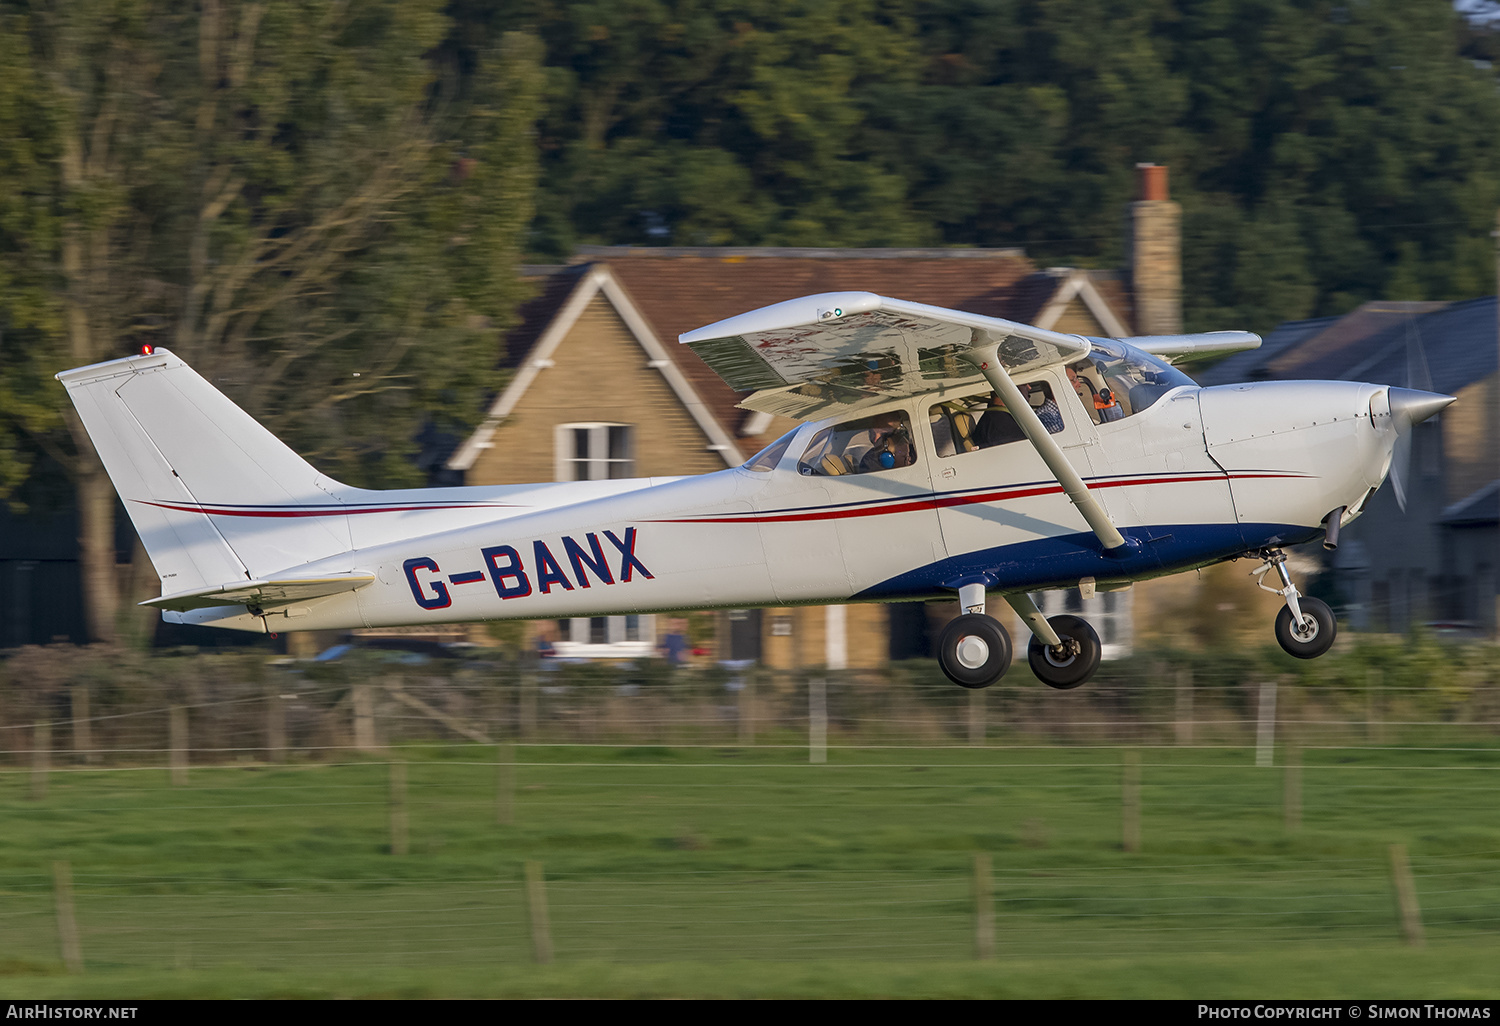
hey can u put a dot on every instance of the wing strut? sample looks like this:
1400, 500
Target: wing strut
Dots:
987, 359
1033, 617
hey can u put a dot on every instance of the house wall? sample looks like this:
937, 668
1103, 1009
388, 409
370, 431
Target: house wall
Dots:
794, 637
1077, 320
1469, 443
600, 373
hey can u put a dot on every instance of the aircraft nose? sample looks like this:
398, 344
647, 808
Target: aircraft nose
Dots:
1409, 407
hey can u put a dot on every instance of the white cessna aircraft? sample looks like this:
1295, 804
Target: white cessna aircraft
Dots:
941, 454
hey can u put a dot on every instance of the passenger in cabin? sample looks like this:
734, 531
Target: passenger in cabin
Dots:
1099, 401
1045, 406
1085, 389
1105, 406
997, 426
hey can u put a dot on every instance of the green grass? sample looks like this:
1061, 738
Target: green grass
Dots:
739, 872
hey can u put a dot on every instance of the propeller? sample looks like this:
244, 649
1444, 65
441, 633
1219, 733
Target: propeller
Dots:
1409, 407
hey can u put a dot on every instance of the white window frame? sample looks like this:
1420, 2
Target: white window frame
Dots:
564, 462
578, 643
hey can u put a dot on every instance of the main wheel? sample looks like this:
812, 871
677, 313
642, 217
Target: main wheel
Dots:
1073, 666
1315, 635
974, 650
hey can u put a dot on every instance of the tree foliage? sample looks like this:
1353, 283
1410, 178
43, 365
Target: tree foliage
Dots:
306, 200
1325, 152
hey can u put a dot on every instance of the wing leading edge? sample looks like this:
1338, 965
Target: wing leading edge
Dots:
837, 352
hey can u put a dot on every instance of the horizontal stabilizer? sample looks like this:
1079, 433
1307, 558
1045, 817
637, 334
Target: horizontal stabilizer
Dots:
262, 593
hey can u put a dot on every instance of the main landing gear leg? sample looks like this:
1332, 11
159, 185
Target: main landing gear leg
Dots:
974, 650
1064, 651
1305, 627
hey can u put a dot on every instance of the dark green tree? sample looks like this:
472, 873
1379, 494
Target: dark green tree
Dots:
299, 198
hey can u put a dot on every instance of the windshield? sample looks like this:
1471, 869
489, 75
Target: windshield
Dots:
765, 461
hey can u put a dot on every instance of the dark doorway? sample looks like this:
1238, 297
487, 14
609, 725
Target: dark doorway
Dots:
744, 634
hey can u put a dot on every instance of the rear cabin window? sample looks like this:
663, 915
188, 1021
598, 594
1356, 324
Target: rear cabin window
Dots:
866, 446
982, 421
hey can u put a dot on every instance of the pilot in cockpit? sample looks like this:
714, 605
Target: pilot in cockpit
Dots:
885, 445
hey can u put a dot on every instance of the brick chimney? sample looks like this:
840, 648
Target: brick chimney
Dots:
1154, 251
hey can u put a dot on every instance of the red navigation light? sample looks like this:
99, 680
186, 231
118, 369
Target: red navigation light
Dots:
147, 349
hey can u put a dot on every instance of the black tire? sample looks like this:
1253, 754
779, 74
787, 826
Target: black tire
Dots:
1319, 634
1078, 666
980, 662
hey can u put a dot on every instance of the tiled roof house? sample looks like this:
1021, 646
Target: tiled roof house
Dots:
602, 388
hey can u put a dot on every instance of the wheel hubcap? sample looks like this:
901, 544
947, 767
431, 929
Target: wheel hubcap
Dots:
1307, 630
972, 652
1064, 654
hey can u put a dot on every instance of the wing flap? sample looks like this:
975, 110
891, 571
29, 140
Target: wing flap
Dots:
262, 593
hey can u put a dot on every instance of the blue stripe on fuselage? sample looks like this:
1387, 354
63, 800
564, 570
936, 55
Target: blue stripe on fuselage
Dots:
1061, 561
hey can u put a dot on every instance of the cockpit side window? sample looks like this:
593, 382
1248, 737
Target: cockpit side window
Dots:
865, 446
982, 421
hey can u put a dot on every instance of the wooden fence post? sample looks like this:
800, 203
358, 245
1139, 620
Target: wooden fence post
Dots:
178, 744
399, 838
984, 908
1184, 706
817, 720
1291, 793
505, 784
1406, 897
1265, 726
536, 908
83, 735
275, 726
1130, 801
1373, 731
67, 921
747, 711
528, 704
364, 718
41, 759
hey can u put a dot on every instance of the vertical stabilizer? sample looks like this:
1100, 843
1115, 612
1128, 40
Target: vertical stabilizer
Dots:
214, 496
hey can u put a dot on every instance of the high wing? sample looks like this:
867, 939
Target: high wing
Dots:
834, 353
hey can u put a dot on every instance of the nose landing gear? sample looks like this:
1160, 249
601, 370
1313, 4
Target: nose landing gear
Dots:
1305, 627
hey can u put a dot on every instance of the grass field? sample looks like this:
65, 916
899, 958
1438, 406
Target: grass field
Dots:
750, 872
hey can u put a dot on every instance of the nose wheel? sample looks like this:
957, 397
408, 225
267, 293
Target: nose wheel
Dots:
1305, 627
1310, 638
